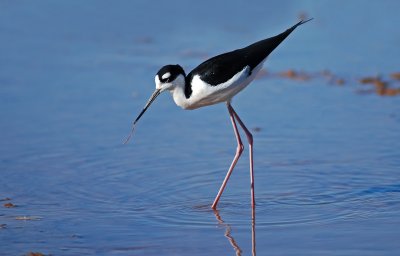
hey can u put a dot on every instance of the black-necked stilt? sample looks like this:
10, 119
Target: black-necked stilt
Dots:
217, 80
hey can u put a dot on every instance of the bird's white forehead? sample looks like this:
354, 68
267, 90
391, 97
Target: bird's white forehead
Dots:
166, 75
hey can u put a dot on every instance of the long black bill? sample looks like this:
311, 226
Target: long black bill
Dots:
152, 98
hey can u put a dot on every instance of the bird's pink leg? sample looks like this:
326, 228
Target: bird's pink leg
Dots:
250, 140
239, 151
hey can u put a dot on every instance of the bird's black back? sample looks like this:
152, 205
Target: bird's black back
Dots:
221, 68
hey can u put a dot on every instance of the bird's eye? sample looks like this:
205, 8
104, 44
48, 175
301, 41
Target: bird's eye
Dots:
166, 77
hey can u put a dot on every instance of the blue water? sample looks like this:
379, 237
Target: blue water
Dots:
74, 74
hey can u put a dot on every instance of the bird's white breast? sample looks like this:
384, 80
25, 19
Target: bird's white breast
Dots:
205, 94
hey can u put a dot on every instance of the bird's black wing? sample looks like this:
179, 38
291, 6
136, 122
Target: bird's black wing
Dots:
221, 68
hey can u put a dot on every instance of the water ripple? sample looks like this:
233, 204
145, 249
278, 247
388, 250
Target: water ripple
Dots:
165, 194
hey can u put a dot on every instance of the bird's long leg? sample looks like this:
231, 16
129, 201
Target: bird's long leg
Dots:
239, 151
250, 140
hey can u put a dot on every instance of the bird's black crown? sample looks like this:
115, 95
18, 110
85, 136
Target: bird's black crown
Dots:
168, 73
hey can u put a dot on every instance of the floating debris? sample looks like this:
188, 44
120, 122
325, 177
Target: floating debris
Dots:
380, 84
9, 205
28, 218
291, 74
340, 81
388, 91
368, 80
383, 85
395, 76
256, 129
35, 254
3, 226
377, 81
5, 199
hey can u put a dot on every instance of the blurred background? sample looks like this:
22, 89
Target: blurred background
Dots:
324, 113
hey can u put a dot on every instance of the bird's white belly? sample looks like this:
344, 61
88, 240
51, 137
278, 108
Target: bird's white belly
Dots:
209, 97
205, 94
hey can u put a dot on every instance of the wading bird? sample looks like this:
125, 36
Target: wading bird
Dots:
217, 80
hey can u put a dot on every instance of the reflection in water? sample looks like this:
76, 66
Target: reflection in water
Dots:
230, 237
228, 233
253, 230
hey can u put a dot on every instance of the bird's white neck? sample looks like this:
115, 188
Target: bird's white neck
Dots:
178, 93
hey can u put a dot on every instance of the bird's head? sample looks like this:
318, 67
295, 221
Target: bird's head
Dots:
167, 78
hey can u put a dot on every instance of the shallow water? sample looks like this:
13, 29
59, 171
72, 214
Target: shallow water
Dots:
74, 75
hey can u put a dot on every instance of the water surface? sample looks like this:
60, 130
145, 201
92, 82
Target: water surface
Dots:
73, 75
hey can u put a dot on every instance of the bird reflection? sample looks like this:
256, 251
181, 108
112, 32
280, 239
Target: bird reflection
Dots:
231, 239
253, 230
